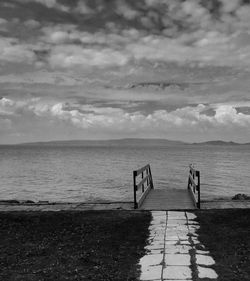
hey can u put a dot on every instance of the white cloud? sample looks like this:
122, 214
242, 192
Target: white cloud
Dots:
116, 120
67, 56
212, 48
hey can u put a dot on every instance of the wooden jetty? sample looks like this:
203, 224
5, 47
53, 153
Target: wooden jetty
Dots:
146, 197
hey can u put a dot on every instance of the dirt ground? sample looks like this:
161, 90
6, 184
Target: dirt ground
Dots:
226, 233
95, 245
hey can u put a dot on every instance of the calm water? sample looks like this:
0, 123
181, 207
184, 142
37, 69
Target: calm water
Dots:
105, 173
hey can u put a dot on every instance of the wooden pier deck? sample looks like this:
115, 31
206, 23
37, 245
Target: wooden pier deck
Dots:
146, 197
168, 199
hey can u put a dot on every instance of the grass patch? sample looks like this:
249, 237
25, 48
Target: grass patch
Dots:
226, 233
72, 245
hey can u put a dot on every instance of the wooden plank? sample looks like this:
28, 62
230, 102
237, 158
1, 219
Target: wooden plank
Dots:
168, 199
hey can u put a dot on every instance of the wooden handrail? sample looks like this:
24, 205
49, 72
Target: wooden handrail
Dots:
194, 185
139, 171
141, 183
145, 178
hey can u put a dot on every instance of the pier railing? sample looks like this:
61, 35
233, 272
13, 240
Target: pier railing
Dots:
194, 185
143, 186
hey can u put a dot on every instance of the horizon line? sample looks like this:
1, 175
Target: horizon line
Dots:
121, 139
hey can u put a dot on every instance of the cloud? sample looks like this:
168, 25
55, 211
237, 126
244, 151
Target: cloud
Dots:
3, 21
44, 77
229, 6
159, 31
204, 47
68, 56
83, 8
49, 4
113, 121
11, 50
123, 8
3, 25
32, 24
80, 57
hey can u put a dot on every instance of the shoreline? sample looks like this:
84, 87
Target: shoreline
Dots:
24, 205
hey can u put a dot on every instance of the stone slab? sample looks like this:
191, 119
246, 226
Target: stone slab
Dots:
154, 246
151, 260
175, 249
177, 259
176, 215
155, 251
176, 237
151, 273
177, 272
202, 252
204, 272
204, 260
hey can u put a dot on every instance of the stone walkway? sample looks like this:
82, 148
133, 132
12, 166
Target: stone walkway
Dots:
174, 251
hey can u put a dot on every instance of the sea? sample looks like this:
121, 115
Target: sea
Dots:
104, 173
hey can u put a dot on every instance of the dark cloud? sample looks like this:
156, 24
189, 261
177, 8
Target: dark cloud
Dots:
164, 84
157, 17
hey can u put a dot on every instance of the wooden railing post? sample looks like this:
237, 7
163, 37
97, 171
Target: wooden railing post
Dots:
194, 174
198, 189
188, 180
142, 187
194, 187
147, 173
151, 178
135, 189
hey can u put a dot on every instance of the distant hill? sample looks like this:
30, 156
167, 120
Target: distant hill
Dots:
114, 142
220, 142
217, 142
126, 142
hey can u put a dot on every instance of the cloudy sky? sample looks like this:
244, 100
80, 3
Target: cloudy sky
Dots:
101, 69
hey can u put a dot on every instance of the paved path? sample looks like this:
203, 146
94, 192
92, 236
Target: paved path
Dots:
174, 251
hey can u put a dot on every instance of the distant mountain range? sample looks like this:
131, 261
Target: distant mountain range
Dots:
126, 142
219, 142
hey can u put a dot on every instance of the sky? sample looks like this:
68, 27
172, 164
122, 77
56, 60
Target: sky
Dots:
105, 69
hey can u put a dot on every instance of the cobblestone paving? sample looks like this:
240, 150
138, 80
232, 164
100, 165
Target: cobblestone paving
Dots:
174, 251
